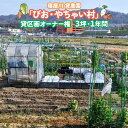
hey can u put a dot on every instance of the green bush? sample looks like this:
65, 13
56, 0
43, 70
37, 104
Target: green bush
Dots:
50, 67
3, 63
95, 60
73, 106
51, 73
120, 119
100, 114
124, 56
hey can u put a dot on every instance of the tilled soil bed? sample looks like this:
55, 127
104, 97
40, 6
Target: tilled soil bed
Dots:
40, 108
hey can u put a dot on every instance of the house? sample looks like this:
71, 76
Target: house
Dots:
14, 31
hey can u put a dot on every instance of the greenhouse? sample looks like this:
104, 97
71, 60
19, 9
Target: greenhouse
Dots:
25, 62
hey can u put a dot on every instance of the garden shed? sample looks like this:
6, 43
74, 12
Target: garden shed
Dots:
25, 62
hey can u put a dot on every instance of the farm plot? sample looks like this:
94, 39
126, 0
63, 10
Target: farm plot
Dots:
41, 107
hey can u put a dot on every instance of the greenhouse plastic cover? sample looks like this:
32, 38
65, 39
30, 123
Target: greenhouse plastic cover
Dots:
22, 50
25, 61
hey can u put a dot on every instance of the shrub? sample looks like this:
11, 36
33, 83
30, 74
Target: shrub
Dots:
3, 63
95, 60
124, 56
73, 106
120, 119
100, 114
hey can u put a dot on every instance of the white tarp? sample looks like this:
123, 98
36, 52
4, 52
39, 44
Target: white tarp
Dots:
80, 70
50, 79
99, 77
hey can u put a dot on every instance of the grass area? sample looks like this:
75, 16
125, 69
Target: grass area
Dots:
84, 41
97, 40
68, 40
114, 32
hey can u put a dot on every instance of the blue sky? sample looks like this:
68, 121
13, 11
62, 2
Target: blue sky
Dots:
12, 6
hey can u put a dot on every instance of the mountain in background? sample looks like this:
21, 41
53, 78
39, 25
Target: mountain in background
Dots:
118, 18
